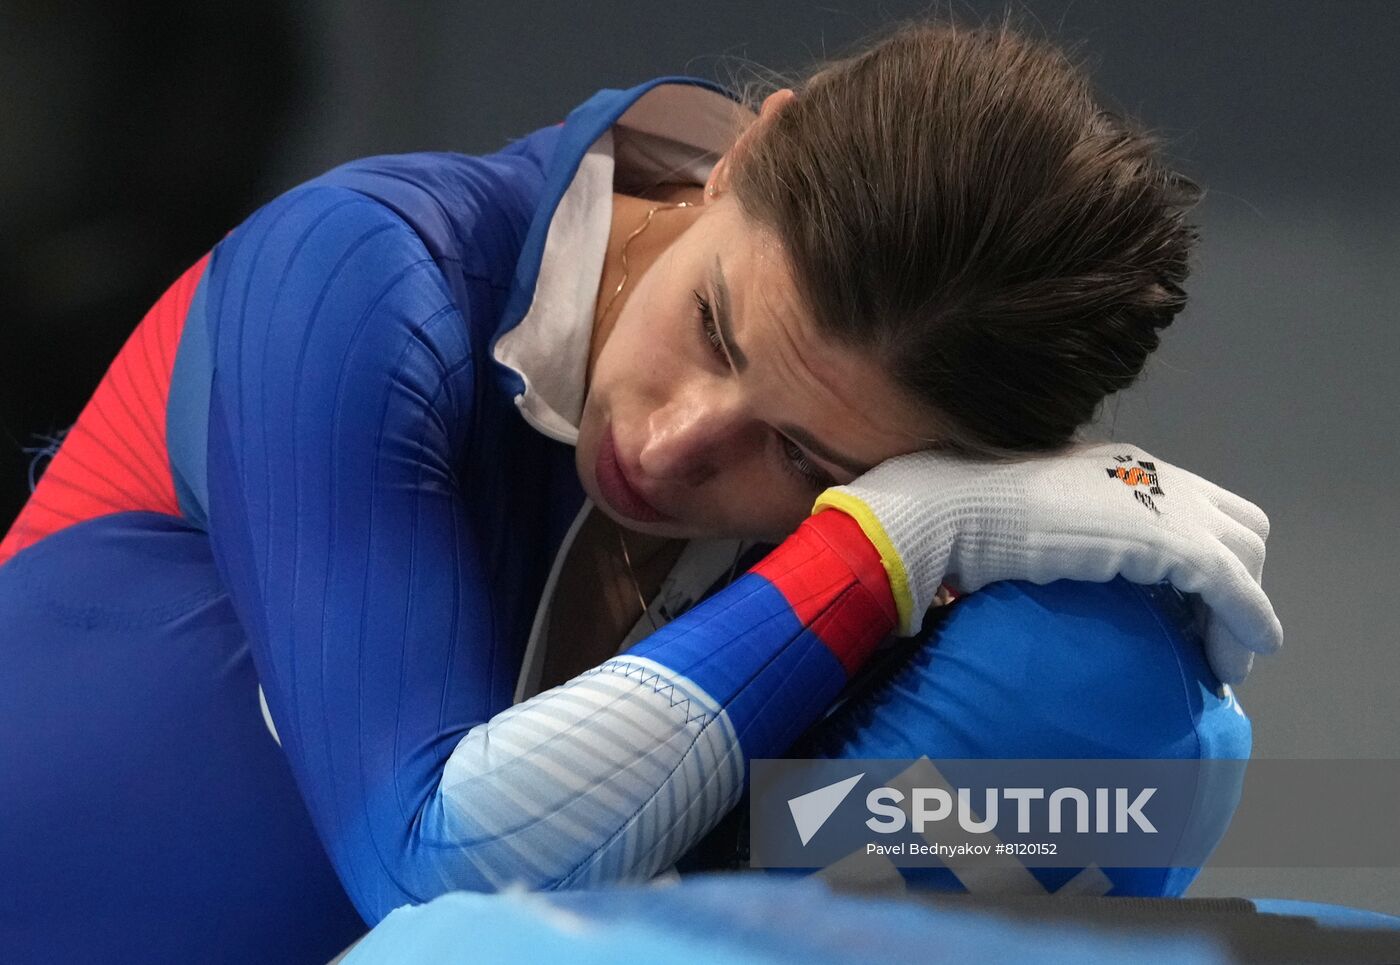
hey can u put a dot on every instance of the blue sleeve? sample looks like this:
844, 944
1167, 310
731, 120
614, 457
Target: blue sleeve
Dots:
341, 401
1062, 670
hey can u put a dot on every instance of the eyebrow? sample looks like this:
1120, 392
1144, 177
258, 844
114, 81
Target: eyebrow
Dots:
741, 361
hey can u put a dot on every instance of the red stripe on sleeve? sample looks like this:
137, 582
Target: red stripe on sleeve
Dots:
832, 577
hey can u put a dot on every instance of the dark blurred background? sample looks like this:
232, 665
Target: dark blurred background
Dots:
137, 134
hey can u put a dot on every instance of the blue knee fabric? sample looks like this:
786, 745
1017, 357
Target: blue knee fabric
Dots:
146, 814
1061, 670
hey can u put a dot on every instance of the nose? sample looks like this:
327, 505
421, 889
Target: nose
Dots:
693, 436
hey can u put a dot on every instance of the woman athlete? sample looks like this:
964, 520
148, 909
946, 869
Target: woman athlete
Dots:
318, 609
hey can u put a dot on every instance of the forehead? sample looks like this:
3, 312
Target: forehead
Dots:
839, 393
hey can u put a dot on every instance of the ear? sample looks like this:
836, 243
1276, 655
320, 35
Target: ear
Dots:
718, 181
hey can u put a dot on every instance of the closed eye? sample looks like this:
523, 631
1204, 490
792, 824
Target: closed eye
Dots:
794, 459
708, 326
797, 463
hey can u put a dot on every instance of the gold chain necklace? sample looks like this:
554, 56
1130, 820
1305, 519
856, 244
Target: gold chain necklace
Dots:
622, 541
628, 243
626, 557
646, 607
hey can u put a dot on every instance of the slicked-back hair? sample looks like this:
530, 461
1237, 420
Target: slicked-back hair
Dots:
955, 201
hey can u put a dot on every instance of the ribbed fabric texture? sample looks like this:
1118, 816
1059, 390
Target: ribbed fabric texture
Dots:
609, 777
113, 459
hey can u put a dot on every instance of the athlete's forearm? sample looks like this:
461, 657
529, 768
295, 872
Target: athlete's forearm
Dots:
615, 774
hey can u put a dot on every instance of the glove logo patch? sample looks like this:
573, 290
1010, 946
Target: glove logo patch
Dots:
1140, 474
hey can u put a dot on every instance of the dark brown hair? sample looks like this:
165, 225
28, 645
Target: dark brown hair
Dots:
954, 200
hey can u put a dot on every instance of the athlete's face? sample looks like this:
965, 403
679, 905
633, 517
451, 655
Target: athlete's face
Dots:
720, 402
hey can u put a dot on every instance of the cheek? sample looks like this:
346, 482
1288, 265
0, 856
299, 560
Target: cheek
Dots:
761, 503
653, 362
637, 349
659, 321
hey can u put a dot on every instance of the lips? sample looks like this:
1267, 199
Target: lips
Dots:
617, 490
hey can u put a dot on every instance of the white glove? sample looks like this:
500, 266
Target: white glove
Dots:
1084, 514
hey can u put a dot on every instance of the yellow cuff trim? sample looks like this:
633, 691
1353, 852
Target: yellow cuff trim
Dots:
889, 556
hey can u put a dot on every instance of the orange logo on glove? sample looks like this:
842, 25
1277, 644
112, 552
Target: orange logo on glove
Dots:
1141, 474
1136, 476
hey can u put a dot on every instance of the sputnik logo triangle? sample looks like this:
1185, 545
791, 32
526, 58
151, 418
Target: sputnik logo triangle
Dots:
811, 810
